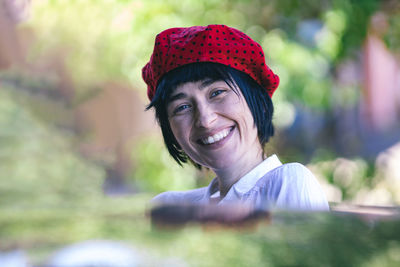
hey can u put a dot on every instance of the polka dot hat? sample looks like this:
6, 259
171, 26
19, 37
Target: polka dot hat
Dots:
214, 43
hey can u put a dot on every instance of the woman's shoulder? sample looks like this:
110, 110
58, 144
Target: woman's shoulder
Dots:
291, 172
180, 197
292, 185
299, 169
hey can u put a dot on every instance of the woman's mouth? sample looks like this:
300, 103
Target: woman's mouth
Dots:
216, 137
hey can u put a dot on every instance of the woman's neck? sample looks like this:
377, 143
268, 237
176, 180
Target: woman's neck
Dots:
229, 176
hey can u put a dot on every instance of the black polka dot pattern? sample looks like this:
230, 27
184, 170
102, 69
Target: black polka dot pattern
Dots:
214, 43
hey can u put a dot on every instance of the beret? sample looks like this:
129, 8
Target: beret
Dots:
176, 47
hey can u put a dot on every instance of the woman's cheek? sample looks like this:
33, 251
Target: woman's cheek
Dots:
179, 127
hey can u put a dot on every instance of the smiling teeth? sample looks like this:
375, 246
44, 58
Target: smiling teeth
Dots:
216, 137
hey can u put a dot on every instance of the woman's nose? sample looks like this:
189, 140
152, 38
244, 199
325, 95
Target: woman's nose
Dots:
205, 116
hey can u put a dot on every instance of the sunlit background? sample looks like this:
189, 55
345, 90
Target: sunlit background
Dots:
74, 135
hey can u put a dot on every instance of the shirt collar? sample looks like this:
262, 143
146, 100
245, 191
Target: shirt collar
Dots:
244, 184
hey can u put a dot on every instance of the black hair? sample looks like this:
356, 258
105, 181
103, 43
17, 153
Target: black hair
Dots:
257, 98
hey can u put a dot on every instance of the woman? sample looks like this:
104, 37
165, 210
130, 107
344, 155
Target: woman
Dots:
211, 91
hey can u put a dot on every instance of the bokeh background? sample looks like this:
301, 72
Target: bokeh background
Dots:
74, 136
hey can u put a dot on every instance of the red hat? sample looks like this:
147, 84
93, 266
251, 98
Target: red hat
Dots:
215, 43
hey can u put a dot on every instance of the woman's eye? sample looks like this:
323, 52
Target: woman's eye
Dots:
217, 92
181, 108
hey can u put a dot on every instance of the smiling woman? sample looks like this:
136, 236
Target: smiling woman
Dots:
211, 91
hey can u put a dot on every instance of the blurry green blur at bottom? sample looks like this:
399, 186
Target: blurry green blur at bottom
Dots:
287, 239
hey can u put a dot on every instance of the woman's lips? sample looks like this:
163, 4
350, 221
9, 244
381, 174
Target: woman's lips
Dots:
215, 138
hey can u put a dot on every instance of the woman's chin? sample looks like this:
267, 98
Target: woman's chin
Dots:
219, 163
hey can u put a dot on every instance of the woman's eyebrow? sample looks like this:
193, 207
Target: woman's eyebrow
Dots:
175, 97
206, 83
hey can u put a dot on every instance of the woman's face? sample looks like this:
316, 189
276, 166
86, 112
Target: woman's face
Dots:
214, 125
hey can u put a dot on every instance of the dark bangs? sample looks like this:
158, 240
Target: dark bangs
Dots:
191, 73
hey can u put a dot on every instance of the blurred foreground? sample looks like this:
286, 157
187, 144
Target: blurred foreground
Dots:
73, 233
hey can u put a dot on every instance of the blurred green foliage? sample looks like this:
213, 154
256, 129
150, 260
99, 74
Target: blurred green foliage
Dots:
325, 239
169, 175
38, 164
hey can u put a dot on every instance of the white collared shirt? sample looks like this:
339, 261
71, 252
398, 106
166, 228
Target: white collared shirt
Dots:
270, 184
